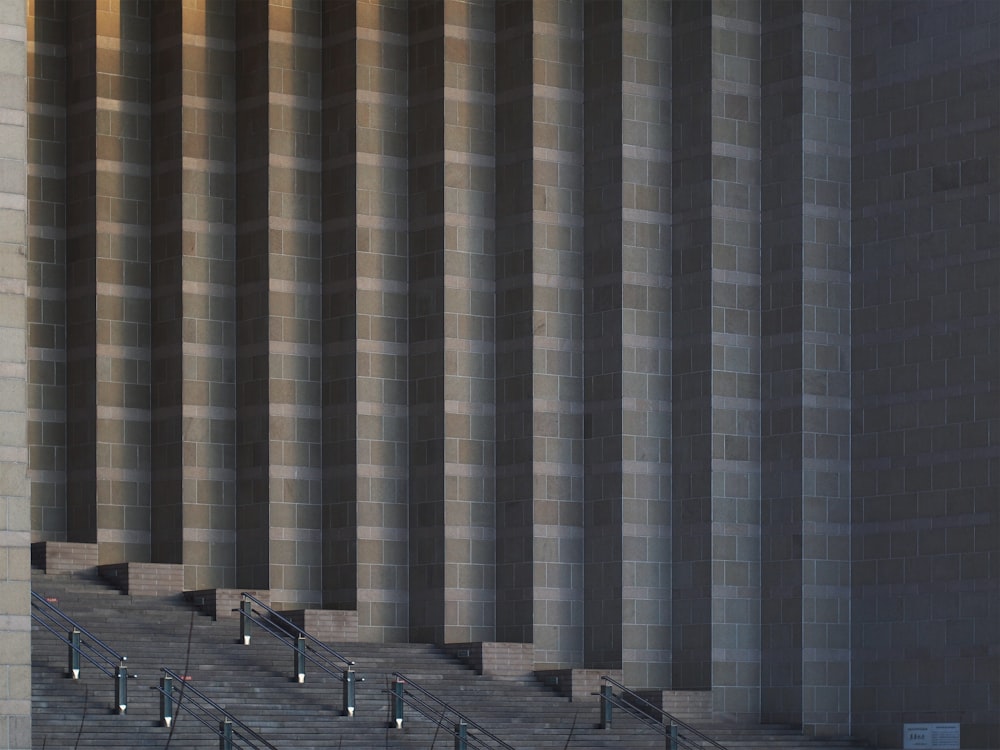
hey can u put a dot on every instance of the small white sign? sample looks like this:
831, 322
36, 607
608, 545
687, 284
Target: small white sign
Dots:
936, 736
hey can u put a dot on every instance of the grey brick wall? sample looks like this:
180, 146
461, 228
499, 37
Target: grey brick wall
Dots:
926, 369
15, 520
658, 337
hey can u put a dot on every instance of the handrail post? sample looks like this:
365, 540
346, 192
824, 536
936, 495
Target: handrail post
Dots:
121, 687
606, 705
226, 734
349, 690
300, 658
461, 736
245, 620
166, 700
672, 737
397, 703
74, 654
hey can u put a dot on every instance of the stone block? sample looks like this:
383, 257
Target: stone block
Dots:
328, 625
64, 557
493, 659
144, 579
579, 685
223, 603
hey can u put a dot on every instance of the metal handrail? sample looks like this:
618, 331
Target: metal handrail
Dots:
114, 662
630, 706
422, 700
109, 657
248, 735
677, 740
69, 643
315, 651
313, 641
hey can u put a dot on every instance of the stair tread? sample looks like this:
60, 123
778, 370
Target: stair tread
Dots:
254, 681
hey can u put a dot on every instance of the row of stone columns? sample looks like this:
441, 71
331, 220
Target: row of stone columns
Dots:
493, 321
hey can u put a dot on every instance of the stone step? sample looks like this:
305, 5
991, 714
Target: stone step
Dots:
255, 683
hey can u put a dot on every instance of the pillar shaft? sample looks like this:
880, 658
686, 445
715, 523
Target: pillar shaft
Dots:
716, 353
193, 305
451, 321
279, 299
366, 329
108, 278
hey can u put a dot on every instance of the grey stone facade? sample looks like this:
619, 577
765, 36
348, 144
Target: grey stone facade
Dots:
662, 336
15, 523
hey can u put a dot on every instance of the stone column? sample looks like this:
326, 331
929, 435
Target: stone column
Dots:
806, 364
539, 386
646, 352
46, 303
826, 360
716, 353
602, 330
15, 517
252, 442
108, 296
452, 550
193, 305
627, 333
279, 465
736, 406
365, 523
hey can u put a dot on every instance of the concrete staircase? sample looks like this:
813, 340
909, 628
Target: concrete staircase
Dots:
255, 683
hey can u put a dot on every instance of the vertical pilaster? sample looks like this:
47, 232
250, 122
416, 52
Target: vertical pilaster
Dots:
15, 516
627, 335
253, 448
826, 386
81, 274
806, 334
166, 270
294, 304
452, 277
108, 293
193, 307
646, 302
717, 329
735, 307
603, 567
365, 315
539, 329
426, 321
46, 302
692, 346
781, 363
341, 585
516, 578
279, 300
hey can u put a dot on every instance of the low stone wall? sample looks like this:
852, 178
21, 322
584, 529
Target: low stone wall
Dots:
686, 705
221, 604
579, 685
144, 579
64, 557
328, 625
496, 659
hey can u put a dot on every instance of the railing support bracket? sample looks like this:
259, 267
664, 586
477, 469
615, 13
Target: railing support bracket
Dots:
350, 679
74, 654
397, 703
606, 706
